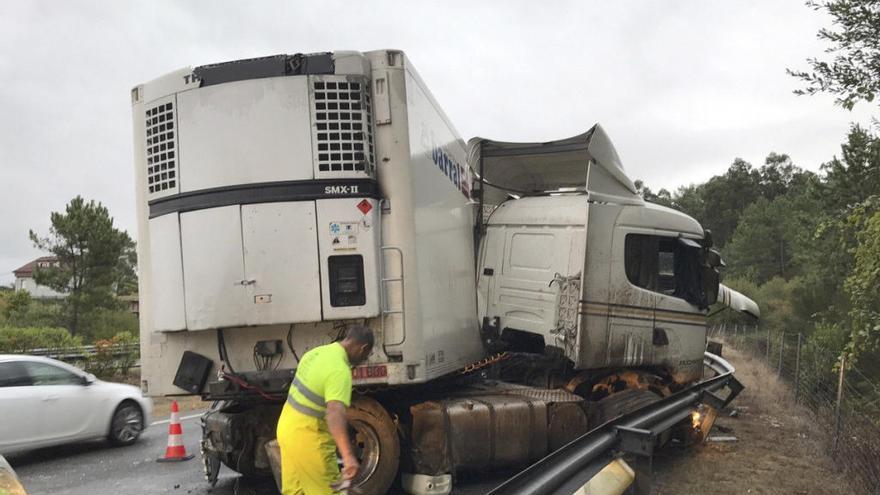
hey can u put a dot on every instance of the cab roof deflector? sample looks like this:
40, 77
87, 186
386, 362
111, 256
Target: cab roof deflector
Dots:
586, 162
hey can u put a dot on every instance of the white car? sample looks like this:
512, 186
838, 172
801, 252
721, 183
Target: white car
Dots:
45, 402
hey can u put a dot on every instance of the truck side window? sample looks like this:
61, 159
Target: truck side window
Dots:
665, 265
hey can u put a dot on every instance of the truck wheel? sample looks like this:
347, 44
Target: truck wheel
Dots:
620, 403
376, 444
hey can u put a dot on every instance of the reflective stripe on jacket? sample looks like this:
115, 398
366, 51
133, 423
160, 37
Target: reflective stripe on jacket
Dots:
323, 375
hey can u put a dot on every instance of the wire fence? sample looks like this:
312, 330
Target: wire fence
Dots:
843, 401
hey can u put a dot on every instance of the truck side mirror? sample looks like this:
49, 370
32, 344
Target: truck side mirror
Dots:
707, 239
713, 258
711, 275
711, 281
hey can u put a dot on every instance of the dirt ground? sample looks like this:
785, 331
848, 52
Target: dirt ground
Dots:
162, 406
778, 450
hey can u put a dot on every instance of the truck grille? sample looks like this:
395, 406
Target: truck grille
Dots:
161, 147
343, 124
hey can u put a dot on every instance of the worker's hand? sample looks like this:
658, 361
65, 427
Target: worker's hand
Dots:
350, 467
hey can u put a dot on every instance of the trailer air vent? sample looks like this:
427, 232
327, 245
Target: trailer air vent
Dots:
343, 124
161, 149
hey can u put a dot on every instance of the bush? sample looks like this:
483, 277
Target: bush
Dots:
17, 340
104, 324
109, 359
19, 309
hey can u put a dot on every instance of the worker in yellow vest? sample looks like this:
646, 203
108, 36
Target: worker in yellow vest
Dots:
314, 423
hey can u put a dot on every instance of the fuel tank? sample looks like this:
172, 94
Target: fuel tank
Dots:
502, 426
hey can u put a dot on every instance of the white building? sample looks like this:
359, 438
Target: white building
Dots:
24, 279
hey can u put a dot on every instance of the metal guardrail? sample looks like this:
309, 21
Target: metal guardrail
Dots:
566, 470
81, 352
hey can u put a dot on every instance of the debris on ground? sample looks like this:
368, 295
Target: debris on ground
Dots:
778, 447
722, 439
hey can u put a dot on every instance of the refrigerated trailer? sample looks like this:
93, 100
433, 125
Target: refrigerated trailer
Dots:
515, 289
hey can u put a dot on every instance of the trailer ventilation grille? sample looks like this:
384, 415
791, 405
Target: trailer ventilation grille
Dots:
161, 152
343, 125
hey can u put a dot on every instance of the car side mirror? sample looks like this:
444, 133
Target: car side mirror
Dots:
88, 379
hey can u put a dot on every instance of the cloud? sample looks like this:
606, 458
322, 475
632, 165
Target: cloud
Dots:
682, 87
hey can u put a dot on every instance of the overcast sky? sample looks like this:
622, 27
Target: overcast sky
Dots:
682, 87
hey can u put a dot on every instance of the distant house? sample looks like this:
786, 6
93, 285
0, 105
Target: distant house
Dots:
24, 279
132, 303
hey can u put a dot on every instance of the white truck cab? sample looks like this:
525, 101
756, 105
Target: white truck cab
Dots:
571, 257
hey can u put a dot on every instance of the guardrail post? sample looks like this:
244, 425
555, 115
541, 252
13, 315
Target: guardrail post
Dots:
839, 401
781, 351
797, 369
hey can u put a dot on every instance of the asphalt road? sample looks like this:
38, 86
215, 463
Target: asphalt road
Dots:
96, 469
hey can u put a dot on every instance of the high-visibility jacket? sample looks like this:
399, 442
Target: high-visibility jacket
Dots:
323, 374
308, 452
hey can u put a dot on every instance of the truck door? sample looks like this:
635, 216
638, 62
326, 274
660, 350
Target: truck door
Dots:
679, 333
632, 296
653, 314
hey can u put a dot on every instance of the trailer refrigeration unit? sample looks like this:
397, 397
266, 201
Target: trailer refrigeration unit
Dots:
520, 292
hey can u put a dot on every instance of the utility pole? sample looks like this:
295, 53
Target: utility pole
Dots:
839, 402
797, 369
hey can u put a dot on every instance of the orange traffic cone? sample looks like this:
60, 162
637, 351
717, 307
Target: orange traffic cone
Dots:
176, 451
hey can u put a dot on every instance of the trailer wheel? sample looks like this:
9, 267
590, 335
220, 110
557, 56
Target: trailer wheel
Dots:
376, 444
620, 403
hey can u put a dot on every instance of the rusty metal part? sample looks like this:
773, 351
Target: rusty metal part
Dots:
477, 432
565, 422
616, 382
489, 361
543, 394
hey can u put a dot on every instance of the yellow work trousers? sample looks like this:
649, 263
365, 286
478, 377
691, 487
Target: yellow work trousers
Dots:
308, 454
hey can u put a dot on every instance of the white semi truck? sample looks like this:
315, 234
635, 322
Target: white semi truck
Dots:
520, 292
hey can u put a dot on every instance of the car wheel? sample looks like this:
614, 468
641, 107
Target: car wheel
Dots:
127, 424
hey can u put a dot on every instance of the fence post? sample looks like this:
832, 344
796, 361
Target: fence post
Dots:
797, 369
839, 400
781, 350
768, 345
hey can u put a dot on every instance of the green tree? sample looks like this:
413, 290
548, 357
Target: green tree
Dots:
726, 196
95, 259
853, 72
662, 197
863, 283
779, 175
854, 176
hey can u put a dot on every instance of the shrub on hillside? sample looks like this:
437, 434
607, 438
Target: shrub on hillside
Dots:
16, 340
102, 324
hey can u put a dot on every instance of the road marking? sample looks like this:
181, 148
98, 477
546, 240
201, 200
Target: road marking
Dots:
164, 421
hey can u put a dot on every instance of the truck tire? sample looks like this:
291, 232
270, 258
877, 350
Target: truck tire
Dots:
620, 403
376, 443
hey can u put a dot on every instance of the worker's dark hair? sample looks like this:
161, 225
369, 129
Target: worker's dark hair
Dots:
360, 334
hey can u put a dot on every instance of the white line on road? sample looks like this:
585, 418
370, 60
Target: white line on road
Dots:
163, 421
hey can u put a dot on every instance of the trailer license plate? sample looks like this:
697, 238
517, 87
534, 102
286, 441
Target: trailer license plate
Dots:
368, 372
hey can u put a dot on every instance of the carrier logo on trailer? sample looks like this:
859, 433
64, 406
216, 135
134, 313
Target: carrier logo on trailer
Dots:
458, 175
453, 170
341, 189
